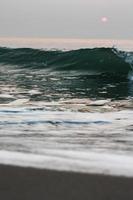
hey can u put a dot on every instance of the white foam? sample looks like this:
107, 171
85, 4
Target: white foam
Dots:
71, 159
77, 161
7, 96
18, 102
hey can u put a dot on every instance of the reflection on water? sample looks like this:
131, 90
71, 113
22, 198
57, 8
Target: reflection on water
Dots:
42, 85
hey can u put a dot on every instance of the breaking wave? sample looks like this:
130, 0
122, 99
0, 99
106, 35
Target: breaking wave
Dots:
100, 60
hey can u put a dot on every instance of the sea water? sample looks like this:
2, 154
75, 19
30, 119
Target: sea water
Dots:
46, 120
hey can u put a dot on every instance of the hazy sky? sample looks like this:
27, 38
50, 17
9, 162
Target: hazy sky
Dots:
67, 18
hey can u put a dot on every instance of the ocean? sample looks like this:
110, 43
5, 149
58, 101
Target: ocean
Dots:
67, 104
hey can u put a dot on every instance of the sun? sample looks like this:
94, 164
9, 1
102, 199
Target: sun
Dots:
104, 19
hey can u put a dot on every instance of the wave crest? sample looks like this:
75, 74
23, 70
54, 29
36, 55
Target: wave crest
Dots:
100, 60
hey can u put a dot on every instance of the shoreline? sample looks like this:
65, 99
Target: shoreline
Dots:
27, 183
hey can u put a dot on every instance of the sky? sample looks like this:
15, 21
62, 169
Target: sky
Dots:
67, 18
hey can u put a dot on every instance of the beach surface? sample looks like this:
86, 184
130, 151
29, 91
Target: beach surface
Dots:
25, 183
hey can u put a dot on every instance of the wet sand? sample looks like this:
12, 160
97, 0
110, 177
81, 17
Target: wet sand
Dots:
18, 183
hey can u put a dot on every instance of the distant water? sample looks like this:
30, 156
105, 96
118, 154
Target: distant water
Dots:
32, 84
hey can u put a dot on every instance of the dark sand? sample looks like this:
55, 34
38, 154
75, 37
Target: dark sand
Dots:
17, 183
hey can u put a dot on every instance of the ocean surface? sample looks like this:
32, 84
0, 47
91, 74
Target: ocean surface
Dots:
67, 104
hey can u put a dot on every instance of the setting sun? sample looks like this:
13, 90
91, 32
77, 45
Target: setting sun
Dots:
104, 19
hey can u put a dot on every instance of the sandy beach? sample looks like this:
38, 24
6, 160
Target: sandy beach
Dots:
18, 183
